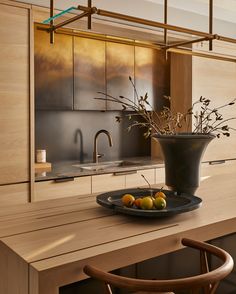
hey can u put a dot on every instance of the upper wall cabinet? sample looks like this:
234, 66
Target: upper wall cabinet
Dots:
53, 71
89, 73
70, 73
14, 94
151, 75
119, 66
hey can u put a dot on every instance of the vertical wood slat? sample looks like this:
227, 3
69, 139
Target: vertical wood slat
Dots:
32, 106
14, 94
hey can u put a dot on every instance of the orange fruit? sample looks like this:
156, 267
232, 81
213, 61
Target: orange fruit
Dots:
160, 194
128, 200
137, 202
159, 203
147, 203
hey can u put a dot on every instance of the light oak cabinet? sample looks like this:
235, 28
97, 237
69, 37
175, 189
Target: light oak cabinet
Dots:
136, 180
122, 180
216, 80
46, 190
107, 182
14, 194
14, 94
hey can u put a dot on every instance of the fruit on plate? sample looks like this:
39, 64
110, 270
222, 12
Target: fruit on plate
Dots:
160, 194
159, 203
147, 203
128, 200
137, 202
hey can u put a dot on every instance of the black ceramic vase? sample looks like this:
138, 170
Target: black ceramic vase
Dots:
182, 155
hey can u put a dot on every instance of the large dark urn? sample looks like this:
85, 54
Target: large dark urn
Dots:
182, 155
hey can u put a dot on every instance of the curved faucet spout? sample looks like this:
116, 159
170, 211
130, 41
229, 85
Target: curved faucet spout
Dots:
95, 148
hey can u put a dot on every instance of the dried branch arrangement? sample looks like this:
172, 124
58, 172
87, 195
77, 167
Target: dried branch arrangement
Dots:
166, 122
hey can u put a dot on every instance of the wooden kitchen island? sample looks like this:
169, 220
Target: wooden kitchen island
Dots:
45, 245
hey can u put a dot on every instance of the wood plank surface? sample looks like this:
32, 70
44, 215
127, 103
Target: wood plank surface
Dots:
58, 241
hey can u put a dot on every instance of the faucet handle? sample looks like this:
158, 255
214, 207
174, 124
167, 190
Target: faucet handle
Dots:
100, 155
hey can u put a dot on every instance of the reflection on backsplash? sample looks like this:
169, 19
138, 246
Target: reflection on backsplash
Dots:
69, 135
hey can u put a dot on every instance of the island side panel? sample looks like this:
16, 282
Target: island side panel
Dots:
13, 272
38, 283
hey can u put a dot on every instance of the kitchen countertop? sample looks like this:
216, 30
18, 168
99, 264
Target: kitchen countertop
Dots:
44, 245
66, 169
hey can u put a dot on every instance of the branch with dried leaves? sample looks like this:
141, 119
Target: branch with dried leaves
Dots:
207, 120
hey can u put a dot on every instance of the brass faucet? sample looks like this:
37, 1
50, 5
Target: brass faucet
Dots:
96, 155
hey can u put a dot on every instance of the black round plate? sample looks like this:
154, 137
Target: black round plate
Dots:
175, 203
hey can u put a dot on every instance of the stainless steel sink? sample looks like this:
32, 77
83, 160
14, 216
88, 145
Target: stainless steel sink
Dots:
107, 165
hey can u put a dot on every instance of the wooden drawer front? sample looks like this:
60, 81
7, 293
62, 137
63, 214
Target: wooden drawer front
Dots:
108, 182
52, 190
160, 175
136, 180
14, 194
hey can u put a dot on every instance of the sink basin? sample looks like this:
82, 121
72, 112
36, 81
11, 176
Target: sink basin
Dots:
107, 165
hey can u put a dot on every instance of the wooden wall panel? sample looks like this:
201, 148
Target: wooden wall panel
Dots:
216, 80
180, 91
14, 94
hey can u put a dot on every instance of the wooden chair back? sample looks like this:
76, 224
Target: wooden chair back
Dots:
207, 280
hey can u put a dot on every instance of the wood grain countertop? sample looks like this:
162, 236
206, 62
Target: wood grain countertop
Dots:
45, 245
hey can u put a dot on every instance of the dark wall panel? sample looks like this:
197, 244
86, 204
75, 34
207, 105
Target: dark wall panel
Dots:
152, 71
68, 135
119, 66
89, 73
53, 71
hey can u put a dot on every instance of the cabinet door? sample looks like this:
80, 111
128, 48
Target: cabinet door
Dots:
14, 94
46, 190
14, 194
152, 76
107, 182
136, 180
216, 80
119, 66
53, 71
89, 73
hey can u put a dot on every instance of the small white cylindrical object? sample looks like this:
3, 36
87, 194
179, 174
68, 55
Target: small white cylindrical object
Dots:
40, 155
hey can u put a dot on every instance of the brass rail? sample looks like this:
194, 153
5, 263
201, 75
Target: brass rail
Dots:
210, 23
189, 42
165, 20
87, 11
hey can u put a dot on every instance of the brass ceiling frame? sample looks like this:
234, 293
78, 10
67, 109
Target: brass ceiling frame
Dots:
87, 11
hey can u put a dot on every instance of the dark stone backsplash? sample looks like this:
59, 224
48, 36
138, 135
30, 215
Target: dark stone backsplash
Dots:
69, 135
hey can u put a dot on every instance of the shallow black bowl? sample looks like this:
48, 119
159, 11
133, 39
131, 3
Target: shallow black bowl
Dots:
175, 203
